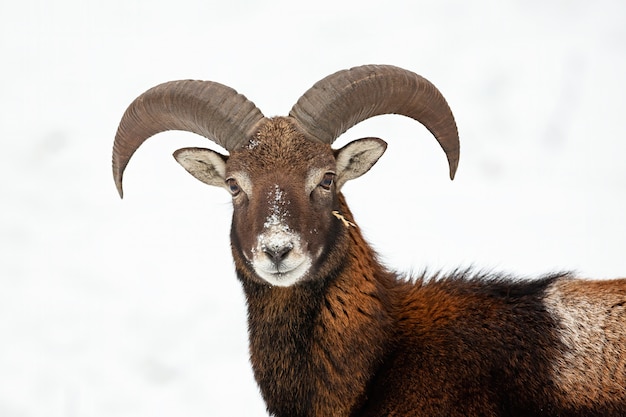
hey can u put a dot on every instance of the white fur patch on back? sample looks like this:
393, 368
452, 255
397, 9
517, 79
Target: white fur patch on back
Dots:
592, 328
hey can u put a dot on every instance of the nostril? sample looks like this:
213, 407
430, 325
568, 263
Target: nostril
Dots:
277, 253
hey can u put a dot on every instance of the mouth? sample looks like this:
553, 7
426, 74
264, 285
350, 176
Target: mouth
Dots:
283, 274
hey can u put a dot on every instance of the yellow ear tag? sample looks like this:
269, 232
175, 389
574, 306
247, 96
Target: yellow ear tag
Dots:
345, 221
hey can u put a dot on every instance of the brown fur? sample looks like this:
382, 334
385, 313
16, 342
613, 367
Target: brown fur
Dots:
334, 333
312, 353
353, 339
350, 338
316, 330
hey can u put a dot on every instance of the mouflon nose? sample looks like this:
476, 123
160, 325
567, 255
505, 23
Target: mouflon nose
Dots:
277, 253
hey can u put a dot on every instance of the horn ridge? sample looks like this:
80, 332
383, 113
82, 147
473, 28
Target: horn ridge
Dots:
206, 108
341, 100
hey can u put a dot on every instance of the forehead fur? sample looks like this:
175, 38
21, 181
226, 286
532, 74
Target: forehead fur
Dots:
280, 144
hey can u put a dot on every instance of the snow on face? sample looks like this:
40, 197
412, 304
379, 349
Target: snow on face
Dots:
253, 143
276, 233
278, 210
276, 237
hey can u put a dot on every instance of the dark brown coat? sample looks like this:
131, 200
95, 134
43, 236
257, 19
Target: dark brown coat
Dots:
332, 332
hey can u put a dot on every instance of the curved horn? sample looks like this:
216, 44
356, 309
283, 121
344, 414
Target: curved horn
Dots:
341, 100
206, 108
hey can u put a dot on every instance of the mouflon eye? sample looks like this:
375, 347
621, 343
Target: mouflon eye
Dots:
233, 187
327, 181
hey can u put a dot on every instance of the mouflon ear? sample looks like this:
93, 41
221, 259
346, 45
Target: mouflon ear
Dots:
357, 157
204, 164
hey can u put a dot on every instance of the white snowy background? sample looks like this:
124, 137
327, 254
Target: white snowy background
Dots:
130, 307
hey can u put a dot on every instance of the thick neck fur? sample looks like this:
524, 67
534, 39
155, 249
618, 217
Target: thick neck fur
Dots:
315, 346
